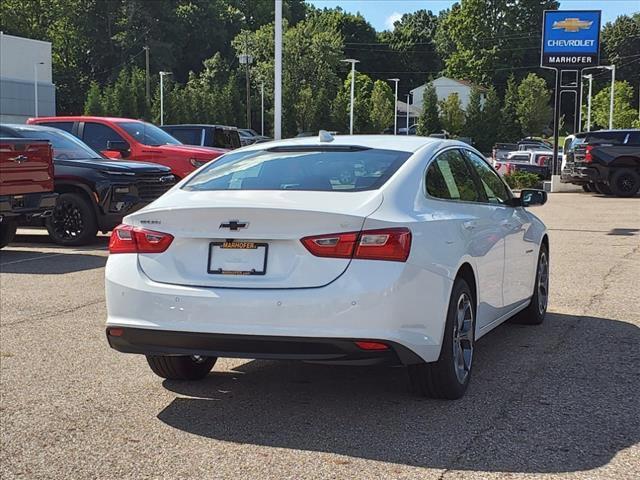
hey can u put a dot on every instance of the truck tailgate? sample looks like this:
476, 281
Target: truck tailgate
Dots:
26, 166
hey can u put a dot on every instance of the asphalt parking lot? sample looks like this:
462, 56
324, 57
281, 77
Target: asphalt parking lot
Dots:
559, 400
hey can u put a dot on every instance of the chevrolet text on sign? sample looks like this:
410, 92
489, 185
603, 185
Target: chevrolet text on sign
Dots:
570, 39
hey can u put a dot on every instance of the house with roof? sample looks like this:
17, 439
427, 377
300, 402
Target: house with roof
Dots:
445, 86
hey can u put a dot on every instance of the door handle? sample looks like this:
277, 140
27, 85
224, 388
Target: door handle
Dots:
470, 225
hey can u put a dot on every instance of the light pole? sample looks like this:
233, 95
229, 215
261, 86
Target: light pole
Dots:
408, 98
147, 85
35, 85
162, 74
277, 66
262, 108
613, 84
353, 83
247, 59
395, 106
590, 78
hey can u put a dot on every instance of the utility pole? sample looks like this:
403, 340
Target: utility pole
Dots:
162, 75
147, 82
277, 87
353, 83
395, 106
408, 98
247, 59
262, 108
35, 86
613, 86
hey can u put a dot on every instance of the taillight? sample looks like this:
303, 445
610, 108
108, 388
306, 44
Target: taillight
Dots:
542, 160
129, 239
393, 244
588, 158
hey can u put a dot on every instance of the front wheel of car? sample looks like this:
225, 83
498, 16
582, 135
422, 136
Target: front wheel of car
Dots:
194, 367
625, 182
449, 377
73, 221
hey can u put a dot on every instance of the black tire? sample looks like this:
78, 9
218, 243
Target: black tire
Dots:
447, 378
181, 367
537, 309
624, 182
587, 187
602, 188
7, 232
73, 221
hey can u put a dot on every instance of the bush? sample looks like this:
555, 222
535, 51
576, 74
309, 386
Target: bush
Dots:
519, 179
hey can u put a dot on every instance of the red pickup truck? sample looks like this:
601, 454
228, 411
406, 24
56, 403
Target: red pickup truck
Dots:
26, 183
125, 138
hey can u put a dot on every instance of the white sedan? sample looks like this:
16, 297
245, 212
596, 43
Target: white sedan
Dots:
354, 249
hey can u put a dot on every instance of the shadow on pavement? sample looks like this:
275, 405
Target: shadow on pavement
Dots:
47, 263
559, 397
22, 240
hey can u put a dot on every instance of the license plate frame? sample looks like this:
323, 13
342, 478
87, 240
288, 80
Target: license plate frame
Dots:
237, 245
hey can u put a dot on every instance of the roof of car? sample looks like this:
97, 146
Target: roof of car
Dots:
403, 143
80, 118
22, 126
217, 125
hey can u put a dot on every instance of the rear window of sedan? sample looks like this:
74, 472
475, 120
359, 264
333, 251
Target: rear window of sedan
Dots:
345, 169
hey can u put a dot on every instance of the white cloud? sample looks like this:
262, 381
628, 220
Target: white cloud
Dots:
391, 19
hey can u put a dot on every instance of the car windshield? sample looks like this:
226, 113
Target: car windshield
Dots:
300, 168
148, 134
65, 146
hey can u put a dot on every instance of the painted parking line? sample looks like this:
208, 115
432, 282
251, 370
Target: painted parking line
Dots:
50, 255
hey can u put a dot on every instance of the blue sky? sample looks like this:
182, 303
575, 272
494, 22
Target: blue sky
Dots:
381, 13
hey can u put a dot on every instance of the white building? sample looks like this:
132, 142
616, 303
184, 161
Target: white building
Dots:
21, 61
445, 86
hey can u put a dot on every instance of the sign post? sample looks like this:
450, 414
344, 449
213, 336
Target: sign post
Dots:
570, 42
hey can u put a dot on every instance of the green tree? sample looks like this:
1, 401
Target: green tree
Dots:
382, 105
490, 121
93, 103
510, 129
429, 119
620, 41
474, 126
451, 114
533, 108
623, 113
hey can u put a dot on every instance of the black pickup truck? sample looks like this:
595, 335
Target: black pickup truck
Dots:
94, 192
605, 161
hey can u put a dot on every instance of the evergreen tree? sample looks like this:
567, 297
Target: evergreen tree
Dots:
533, 107
93, 103
382, 105
490, 121
474, 119
451, 114
429, 119
510, 129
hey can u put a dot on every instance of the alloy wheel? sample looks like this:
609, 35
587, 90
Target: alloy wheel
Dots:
543, 283
463, 337
67, 221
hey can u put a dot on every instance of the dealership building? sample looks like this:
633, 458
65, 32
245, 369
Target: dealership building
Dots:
25, 63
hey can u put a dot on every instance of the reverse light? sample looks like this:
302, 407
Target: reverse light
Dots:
129, 239
196, 162
588, 158
391, 244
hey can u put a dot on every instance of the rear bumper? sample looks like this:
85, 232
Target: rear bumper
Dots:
582, 175
156, 342
391, 302
27, 205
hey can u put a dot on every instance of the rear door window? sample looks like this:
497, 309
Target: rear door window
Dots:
188, 136
344, 169
66, 126
226, 138
634, 138
615, 138
449, 178
96, 135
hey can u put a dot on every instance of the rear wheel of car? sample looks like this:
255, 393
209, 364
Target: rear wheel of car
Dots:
537, 309
602, 188
7, 232
449, 376
73, 221
194, 367
625, 182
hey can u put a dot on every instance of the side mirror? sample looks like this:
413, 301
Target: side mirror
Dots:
119, 146
531, 197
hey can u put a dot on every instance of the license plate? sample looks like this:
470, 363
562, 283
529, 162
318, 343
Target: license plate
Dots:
237, 258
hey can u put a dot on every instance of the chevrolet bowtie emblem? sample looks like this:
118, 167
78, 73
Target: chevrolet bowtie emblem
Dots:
572, 25
234, 225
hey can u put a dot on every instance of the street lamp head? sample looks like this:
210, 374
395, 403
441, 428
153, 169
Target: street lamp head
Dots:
166, 73
351, 60
393, 79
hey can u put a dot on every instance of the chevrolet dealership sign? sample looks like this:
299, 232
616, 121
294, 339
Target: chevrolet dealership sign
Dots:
570, 39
